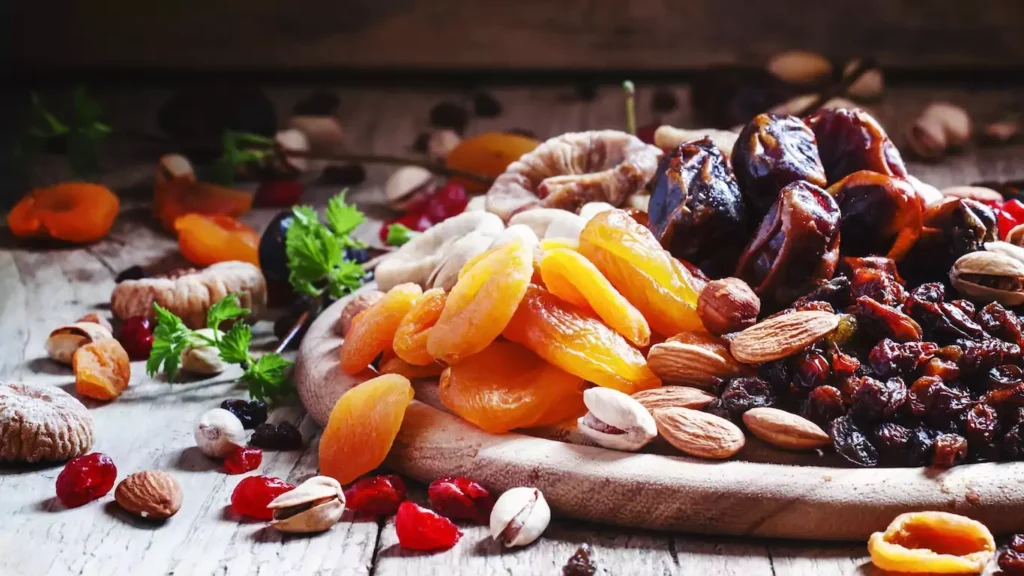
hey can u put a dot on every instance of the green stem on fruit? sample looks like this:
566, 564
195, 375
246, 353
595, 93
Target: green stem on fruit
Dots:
630, 106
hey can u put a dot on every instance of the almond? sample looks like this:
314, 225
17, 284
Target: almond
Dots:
691, 363
698, 433
673, 397
152, 494
782, 336
784, 429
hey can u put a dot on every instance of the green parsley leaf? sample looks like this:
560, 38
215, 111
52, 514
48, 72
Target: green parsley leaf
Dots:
399, 234
312, 251
227, 308
234, 346
343, 218
345, 279
266, 377
170, 338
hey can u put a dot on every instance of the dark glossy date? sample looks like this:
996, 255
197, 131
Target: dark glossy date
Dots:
850, 139
882, 215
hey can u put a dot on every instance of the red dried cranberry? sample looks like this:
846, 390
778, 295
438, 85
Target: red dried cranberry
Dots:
253, 493
85, 479
242, 460
375, 496
278, 194
452, 198
460, 499
422, 529
136, 335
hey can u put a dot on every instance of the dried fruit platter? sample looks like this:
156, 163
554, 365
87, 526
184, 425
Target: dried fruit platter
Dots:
765, 492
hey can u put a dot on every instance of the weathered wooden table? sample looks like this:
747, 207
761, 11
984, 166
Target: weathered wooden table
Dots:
150, 426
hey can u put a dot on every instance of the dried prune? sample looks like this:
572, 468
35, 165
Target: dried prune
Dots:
771, 152
696, 209
950, 450
283, 436
1001, 323
811, 369
979, 357
877, 285
886, 321
875, 400
889, 359
852, 443
849, 139
823, 405
796, 246
941, 404
742, 394
880, 214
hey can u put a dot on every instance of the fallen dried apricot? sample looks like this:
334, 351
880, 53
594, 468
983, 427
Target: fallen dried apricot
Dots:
579, 343
179, 196
481, 303
373, 330
73, 211
505, 386
102, 369
410, 342
362, 427
573, 278
932, 542
204, 240
487, 155
648, 277
410, 371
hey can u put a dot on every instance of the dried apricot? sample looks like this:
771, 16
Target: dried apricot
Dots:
481, 303
579, 343
410, 342
932, 542
573, 278
204, 240
362, 427
373, 330
487, 155
102, 369
179, 196
505, 386
73, 211
629, 255
410, 371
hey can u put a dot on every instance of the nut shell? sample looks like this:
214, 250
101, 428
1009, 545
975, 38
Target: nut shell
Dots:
153, 495
64, 341
39, 422
727, 305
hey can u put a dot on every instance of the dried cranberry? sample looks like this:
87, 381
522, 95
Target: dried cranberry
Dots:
950, 450
811, 370
874, 400
278, 194
421, 529
375, 496
852, 443
251, 413
284, 436
85, 479
460, 499
452, 197
889, 359
417, 222
823, 405
253, 493
581, 563
242, 460
136, 335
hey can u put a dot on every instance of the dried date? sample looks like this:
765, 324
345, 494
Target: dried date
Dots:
950, 229
880, 214
849, 139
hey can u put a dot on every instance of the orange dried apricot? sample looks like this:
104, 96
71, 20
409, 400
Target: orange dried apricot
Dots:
648, 276
73, 211
362, 426
179, 196
932, 542
410, 371
505, 386
410, 342
573, 278
579, 343
373, 330
102, 369
481, 303
207, 239
487, 155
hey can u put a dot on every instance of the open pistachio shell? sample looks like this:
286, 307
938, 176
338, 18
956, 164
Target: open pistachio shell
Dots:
63, 341
314, 506
989, 276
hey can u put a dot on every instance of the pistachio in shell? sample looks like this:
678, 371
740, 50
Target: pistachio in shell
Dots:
989, 276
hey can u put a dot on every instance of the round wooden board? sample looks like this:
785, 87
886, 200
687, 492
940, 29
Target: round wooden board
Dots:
667, 492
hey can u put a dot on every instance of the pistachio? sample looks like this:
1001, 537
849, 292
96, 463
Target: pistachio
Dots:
616, 421
940, 127
290, 140
441, 143
406, 183
800, 67
324, 133
173, 166
519, 516
990, 275
870, 84
63, 341
316, 505
203, 360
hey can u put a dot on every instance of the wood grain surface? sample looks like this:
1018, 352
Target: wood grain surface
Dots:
151, 425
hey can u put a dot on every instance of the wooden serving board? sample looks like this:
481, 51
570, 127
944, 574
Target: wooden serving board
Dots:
751, 496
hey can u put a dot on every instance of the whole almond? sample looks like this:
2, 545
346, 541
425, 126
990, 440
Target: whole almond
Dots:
782, 336
673, 397
698, 433
784, 429
692, 364
151, 494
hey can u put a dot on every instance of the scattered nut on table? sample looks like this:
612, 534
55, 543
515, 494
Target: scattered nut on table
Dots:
218, 433
285, 141
203, 360
940, 127
442, 142
405, 184
616, 421
42, 423
979, 193
800, 67
153, 495
868, 86
668, 137
519, 517
64, 341
172, 166
316, 505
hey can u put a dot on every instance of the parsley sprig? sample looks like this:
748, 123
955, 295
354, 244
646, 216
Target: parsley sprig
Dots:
239, 149
316, 251
265, 376
81, 134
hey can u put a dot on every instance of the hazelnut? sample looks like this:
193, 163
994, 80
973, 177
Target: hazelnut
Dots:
357, 304
441, 143
940, 127
727, 305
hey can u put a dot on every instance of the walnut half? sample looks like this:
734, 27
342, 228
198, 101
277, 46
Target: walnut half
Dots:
190, 293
